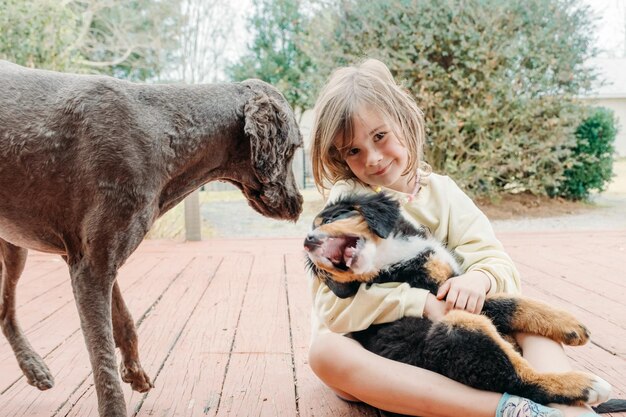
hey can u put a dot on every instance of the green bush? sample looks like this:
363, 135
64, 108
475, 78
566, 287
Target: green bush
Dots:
39, 34
497, 80
128, 39
592, 166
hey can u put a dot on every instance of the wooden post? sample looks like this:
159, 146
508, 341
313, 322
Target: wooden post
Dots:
193, 225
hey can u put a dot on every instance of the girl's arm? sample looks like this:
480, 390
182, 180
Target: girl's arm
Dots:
372, 304
473, 240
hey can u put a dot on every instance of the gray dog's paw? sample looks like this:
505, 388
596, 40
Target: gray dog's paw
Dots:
133, 374
37, 373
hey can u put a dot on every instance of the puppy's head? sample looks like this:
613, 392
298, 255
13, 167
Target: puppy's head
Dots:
343, 245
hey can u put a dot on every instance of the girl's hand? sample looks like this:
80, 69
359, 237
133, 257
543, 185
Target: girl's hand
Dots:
434, 309
466, 292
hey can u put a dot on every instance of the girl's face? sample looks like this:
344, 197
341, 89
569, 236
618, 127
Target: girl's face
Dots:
375, 155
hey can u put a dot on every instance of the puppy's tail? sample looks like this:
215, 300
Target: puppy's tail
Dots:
611, 406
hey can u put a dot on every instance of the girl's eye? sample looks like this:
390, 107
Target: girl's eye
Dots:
379, 136
352, 152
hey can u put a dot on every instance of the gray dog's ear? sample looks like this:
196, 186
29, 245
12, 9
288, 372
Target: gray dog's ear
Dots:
267, 126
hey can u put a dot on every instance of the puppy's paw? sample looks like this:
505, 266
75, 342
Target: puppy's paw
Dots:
599, 391
576, 335
568, 330
133, 374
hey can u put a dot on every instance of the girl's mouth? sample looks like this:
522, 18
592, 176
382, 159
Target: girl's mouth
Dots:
384, 170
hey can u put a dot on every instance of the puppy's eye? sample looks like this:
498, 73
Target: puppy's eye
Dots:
343, 214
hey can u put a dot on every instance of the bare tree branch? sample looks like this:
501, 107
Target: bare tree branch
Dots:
204, 37
112, 63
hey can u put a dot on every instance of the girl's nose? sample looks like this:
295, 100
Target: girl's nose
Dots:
373, 158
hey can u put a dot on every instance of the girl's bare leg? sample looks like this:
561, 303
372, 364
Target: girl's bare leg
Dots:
356, 374
546, 355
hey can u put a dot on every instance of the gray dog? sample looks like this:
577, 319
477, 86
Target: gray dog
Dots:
88, 163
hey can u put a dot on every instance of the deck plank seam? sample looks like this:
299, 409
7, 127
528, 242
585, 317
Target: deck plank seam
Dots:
179, 334
291, 343
232, 343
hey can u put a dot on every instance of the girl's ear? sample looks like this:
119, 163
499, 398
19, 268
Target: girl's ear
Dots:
381, 212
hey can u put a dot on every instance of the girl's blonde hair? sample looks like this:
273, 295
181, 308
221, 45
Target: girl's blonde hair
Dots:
347, 91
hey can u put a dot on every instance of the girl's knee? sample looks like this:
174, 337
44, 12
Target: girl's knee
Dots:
330, 357
319, 357
345, 396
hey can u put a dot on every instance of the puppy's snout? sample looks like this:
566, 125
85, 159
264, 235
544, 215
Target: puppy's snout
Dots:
313, 241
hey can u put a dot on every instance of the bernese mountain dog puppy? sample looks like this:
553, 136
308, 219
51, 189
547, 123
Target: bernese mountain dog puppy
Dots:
367, 239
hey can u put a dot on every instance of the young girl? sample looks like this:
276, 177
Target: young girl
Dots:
368, 136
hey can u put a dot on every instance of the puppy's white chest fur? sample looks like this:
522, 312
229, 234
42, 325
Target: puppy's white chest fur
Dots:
392, 251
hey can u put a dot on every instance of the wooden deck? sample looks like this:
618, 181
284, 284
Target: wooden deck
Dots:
224, 325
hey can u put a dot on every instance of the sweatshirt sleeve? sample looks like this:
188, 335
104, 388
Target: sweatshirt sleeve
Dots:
473, 240
372, 304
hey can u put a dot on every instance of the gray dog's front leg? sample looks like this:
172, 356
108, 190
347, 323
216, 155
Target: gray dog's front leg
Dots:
93, 294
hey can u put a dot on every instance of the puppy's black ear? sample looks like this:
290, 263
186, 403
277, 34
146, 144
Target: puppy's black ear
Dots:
343, 290
381, 212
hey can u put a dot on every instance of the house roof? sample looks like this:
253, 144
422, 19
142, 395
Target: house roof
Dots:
613, 72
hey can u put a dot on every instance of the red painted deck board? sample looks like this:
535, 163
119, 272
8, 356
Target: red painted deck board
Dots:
224, 325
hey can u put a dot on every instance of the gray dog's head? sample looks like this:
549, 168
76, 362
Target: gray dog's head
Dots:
274, 137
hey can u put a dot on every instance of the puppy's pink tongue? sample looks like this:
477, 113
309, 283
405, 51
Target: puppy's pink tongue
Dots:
332, 250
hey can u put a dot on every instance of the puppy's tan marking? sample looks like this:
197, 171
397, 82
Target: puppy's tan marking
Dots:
511, 339
536, 317
572, 384
348, 276
352, 226
439, 270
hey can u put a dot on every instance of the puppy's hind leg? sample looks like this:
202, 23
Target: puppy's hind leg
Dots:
467, 347
125, 336
522, 314
36, 372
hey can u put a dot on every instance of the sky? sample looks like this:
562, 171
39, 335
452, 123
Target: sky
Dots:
610, 31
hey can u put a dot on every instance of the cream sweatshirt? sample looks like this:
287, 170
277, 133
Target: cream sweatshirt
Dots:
452, 218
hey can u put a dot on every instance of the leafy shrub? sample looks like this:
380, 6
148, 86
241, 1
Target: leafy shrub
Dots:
275, 54
128, 39
592, 166
496, 79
